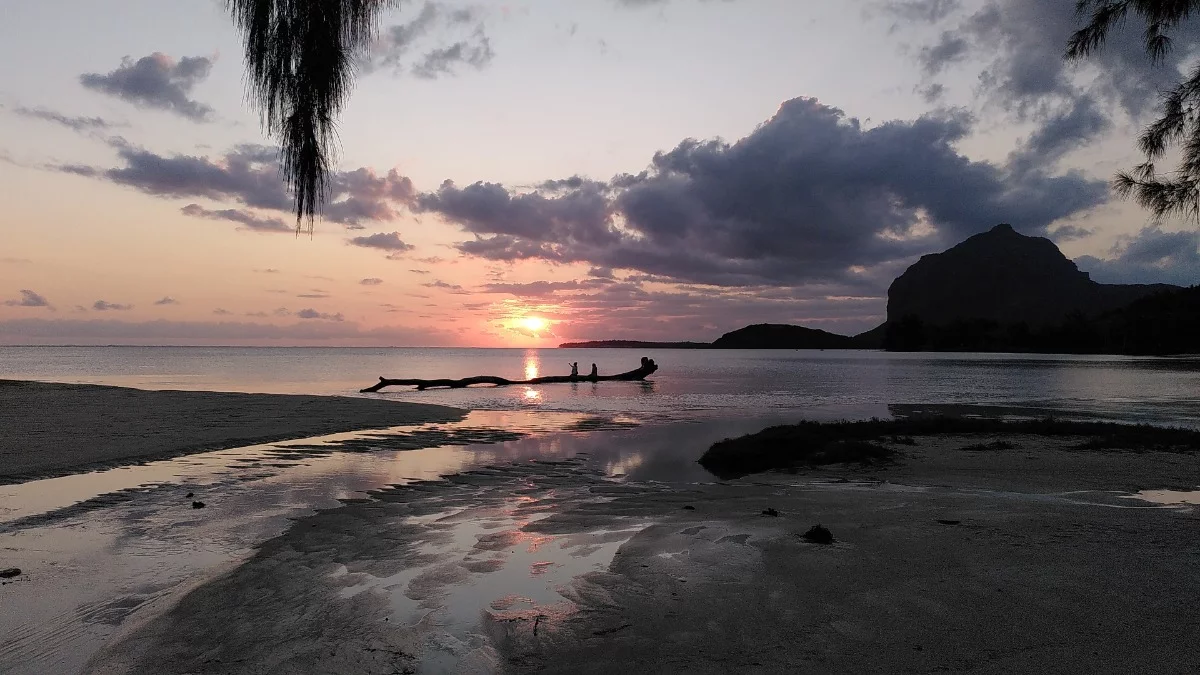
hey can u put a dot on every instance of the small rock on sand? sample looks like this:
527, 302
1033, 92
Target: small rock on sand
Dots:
10, 573
818, 534
770, 512
197, 505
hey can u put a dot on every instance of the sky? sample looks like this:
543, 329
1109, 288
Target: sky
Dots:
517, 174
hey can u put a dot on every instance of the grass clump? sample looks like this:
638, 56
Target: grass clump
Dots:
810, 444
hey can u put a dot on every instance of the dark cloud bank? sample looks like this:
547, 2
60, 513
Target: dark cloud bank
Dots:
249, 175
811, 196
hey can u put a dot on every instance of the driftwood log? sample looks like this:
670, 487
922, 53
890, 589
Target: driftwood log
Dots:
647, 368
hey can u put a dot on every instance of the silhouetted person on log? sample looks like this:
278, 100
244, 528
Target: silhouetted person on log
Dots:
595, 372
575, 369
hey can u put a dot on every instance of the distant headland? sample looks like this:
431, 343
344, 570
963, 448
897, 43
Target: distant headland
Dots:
997, 291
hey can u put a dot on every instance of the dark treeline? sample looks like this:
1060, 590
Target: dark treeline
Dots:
1160, 324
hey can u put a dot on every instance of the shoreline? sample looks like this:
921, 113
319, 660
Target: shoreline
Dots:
53, 429
558, 566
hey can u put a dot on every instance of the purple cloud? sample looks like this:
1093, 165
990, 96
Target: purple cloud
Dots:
156, 81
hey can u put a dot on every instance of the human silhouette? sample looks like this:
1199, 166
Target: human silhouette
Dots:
595, 372
575, 369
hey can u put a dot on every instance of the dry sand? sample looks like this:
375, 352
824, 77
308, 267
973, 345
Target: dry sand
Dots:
951, 561
53, 429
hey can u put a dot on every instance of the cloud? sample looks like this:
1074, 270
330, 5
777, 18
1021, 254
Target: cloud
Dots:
30, 299
1153, 255
389, 241
371, 282
103, 306
1061, 132
1019, 47
950, 49
314, 314
249, 175
475, 52
647, 3
245, 218
929, 11
222, 312
268, 270
80, 124
156, 81
809, 196
409, 48
543, 289
78, 331
316, 295
168, 300
453, 289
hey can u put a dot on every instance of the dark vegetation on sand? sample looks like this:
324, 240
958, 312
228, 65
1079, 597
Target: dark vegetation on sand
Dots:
812, 444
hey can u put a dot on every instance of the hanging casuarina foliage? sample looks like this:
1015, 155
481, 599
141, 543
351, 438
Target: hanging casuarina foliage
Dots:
300, 60
1175, 192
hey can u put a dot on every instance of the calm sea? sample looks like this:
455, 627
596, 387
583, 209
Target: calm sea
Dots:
690, 383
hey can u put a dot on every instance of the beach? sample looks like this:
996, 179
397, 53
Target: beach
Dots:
44, 423
952, 563
443, 541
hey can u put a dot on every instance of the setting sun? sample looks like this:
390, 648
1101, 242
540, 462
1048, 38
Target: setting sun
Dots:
533, 323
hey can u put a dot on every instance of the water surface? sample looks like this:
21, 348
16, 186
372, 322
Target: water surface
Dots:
690, 383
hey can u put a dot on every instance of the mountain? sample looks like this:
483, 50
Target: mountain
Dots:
997, 291
1006, 277
1004, 291
781, 336
634, 344
759, 336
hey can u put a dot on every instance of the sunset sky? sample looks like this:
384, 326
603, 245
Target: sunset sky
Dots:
523, 173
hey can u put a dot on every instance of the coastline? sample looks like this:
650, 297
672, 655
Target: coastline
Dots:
953, 559
531, 555
55, 429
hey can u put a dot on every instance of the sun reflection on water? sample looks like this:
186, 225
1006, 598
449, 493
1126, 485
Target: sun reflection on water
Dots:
532, 365
533, 395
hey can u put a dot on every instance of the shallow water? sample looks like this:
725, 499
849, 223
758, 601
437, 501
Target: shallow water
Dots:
97, 548
689, 384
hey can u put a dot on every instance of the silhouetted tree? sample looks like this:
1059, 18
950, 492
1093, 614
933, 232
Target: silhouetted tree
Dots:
300, 58
1177, 192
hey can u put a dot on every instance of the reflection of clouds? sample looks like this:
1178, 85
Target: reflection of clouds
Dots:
625, 465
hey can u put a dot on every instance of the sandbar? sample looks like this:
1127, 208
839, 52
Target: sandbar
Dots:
49, 429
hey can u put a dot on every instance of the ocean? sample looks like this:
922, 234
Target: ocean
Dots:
690, 384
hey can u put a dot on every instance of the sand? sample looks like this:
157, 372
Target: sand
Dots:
1016, 560
53, 429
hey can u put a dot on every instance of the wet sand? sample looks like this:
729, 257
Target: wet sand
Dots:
1025, 559
55, 429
